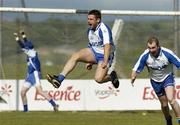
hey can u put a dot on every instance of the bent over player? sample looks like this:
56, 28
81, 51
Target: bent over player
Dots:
100, 51
159, 61
33, 73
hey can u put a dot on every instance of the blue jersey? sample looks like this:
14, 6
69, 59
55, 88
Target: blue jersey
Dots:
99, 37
32, 56
159, 68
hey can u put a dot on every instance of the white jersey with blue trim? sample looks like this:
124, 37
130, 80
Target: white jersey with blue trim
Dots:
160, 67
99, 37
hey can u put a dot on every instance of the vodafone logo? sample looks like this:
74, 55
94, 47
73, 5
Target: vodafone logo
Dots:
105, 93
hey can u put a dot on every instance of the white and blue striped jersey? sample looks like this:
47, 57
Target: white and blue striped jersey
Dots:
99, 37
32, 56
159, 68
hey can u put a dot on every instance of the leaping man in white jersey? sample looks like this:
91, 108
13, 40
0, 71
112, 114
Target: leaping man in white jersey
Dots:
100, 51
33, 72
160, 61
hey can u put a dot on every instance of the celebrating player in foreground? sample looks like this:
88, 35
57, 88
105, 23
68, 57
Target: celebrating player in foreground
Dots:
159, 61
100, 51
33, 73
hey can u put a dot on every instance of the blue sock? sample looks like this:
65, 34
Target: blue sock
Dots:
52, 102
178, 120
26, 108
169, 120
61, 77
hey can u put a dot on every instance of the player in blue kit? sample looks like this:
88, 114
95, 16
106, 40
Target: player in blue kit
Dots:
33, 73
100, 51
160, 61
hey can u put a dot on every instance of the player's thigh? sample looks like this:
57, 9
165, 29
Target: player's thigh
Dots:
170, 92
101, 72
25, 87
86, 55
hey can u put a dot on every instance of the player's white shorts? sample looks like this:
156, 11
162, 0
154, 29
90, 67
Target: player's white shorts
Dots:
100, 57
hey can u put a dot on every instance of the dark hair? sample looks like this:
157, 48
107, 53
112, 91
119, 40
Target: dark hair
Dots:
153, 39
97, 13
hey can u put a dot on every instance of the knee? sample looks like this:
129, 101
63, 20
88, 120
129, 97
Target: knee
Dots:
99, 80
164, 104
171, 101
23, 92
39, 90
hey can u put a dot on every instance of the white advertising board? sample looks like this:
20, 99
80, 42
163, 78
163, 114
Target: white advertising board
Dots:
69, 96
85, 95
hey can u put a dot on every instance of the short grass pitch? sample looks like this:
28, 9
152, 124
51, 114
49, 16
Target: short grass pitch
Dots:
83, 118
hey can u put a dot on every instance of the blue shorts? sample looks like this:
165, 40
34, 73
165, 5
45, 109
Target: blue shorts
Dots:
33, 78
100, 57
159, 86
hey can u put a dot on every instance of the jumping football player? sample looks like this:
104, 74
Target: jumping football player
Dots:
100, 51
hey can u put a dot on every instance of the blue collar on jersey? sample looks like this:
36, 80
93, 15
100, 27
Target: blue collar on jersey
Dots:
98, 25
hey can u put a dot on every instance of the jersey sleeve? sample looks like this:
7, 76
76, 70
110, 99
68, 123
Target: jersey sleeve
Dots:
21, 44
139, 66
172, 57
106, 34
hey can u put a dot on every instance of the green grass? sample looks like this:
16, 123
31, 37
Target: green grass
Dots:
18, 71
52, 35
83, 118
